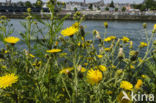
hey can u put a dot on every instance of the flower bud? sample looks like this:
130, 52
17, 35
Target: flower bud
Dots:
120, 54
106, 24
144, 25
131, 44
134, 55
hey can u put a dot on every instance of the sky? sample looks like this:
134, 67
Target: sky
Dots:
106, 1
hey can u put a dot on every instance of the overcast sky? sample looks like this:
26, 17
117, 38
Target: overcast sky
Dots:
106, 1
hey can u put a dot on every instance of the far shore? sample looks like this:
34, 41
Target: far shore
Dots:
88, 17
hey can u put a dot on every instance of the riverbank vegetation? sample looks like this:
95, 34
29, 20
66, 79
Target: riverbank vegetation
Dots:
65, 67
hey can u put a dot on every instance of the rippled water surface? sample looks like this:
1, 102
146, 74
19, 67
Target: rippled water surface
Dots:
131, 29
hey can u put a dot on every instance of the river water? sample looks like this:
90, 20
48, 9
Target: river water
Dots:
131, 29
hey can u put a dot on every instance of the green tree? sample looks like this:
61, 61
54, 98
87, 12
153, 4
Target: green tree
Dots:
112, 4
107, 9
150, 4
39, 3
75, 9
28, 4
91, 7
123, 9
116, 9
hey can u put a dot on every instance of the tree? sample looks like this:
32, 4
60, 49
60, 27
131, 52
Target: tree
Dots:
112, 4
123, 9
91, 7
39, 3
107, 9
116, 9
28, 4
150, 4
75, 9
20, 3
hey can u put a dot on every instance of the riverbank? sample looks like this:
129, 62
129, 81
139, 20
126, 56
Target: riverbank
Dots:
89, 17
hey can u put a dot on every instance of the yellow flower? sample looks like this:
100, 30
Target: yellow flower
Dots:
125, 39
142, 44
154, 28
5, 51
69, 31
108, 39
106, 24
144, 76
102, 68
76, 24
132, 67
140, 60
99, 56
112, 37
53, 50
107, 49
37, 63
94, 76
66, 70
131, 44
126, 85
81, 69
31, 55
79, 44
138, 84
8, 80
11, 40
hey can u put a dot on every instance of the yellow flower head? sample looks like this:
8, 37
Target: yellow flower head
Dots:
66, 70
53, 50
132, 67
108, 39
94, 76
102, 68
11, 40
107, 49
126, 85
76, 25
8, 80
113, 37
31, 55
154, 27
131, 44
106, 24
81, 69
138, 84
69, 31
99, 56
142, 44
125, 39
